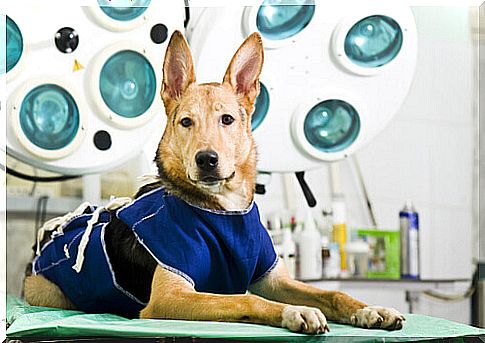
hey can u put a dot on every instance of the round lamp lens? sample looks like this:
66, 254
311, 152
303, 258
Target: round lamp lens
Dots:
374, 41
332, 125
15, 44
49, 117
261, 107
118, 10
277, 20
127, 83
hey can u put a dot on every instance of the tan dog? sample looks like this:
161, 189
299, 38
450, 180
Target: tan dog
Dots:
207, 157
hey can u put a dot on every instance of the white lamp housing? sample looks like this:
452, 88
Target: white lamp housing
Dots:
352, 67
107, 86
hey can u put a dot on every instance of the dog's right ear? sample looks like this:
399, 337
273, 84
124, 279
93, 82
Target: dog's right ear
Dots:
178, 70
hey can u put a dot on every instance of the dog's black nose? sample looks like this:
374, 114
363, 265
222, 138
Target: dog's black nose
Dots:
207, 160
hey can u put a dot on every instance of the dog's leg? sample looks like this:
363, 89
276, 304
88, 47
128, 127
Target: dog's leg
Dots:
39, 291
336, 306
172, 297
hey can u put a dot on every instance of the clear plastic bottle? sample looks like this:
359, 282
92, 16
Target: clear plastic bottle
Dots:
332, 267
296, 235
288, 249
310, 250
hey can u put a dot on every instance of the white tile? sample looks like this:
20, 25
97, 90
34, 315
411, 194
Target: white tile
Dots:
396, 164
272, 201
319, 182
445, 246
458, 311
357, 214
350, 183
451, 163
444, 85
20, 238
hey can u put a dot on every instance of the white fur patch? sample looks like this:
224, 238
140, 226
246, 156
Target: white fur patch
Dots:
304, 319
378, 317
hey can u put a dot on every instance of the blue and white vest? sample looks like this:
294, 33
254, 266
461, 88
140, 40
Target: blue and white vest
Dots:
219, 252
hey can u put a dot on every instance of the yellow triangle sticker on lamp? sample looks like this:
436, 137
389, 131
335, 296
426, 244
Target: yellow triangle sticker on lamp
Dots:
77, 66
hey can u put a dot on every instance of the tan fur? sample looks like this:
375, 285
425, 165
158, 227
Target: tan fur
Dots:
204, 104
39, 291
172, 296
277, 298
279, 286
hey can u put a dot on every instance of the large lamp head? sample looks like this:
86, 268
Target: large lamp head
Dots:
124, 85
331, 125
333, 77
127, 84
118, 10
48, 121
87, 99
15, 44
373, 41
278, 21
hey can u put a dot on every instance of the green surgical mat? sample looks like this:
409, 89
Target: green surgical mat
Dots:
26, 321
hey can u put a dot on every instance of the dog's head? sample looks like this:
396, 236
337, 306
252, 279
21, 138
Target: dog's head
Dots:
207, 144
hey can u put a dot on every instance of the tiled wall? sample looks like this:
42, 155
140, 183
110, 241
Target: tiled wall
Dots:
482, 131
20, 239
427, 155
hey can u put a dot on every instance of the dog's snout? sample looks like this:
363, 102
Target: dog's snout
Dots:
207, 160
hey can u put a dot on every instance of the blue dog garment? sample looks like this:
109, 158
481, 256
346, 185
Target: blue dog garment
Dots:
216, 251
94, 289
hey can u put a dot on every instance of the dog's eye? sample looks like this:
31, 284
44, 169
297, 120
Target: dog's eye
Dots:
186, 122
227, 119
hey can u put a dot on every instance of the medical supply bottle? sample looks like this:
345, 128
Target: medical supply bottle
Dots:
288, 249
296, 233
409, 225
310, 250
331, 269
339, 232
277, 230
326, 261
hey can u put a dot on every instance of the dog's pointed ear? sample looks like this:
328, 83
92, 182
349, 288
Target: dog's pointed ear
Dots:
244, 70
178, 69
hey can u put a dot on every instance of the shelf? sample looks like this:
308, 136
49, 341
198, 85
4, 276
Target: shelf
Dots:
28, 205
397, 284
415, 281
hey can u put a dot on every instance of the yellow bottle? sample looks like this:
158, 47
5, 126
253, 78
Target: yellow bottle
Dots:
339, 232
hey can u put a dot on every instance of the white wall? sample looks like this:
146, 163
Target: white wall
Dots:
482, 133
426, 155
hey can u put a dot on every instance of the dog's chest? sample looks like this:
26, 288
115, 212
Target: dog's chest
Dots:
216, 252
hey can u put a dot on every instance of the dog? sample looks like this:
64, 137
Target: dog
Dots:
191, 244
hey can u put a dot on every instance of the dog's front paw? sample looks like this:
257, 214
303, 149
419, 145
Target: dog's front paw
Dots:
304, 319
377, 317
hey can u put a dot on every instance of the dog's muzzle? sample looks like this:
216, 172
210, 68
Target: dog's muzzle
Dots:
212, 181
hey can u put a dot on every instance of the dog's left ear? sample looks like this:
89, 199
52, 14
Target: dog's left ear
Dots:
244, 69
